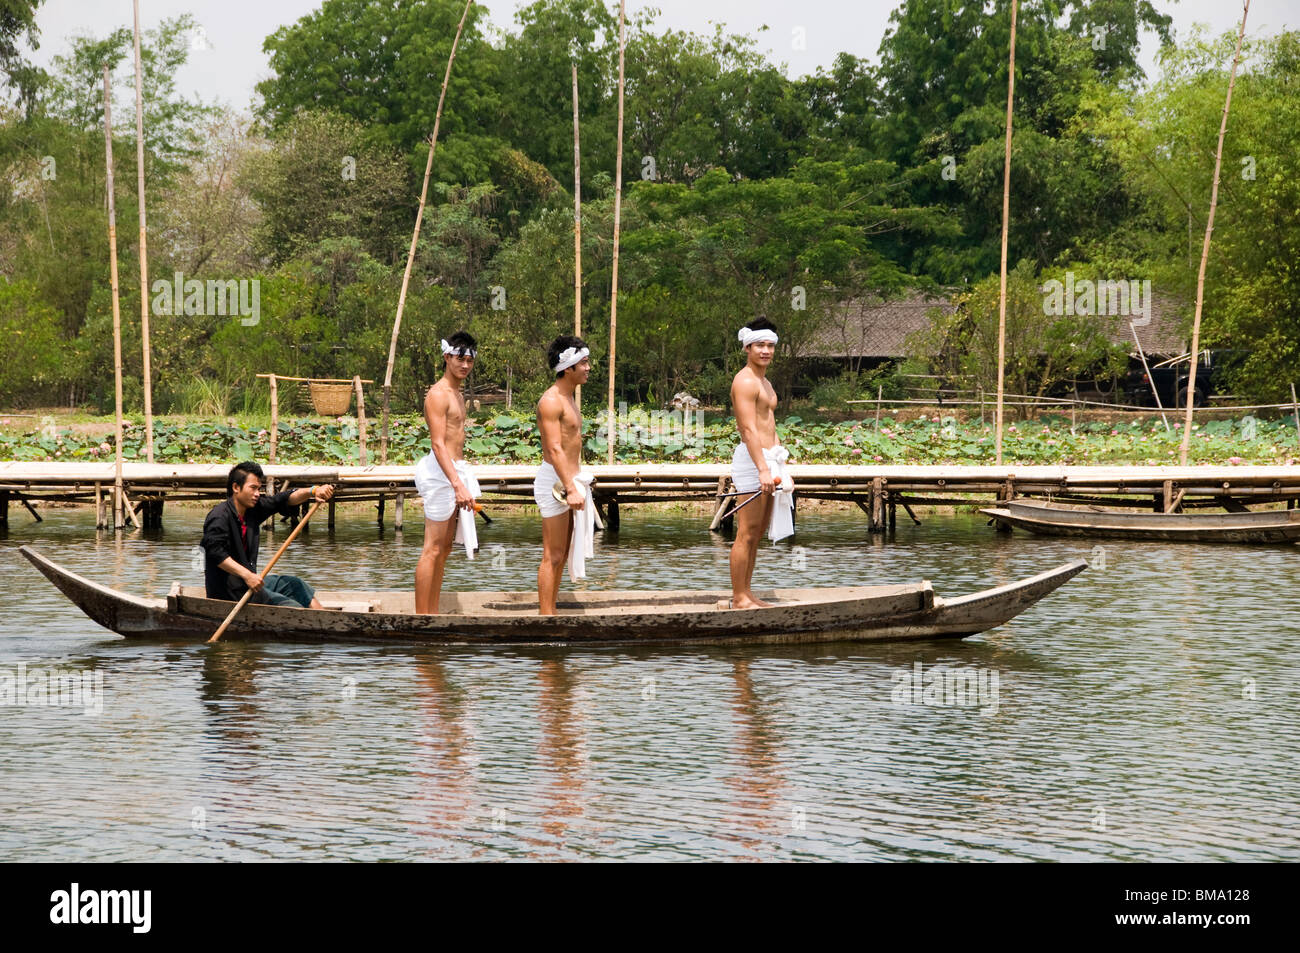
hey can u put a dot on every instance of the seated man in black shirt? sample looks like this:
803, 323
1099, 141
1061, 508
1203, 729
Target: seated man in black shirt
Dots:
230, 538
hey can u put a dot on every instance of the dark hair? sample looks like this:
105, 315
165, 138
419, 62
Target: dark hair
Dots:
462, 339
761, 323
240, 473
560, 344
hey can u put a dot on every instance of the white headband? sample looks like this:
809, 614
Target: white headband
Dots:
570, 356
748, 337
462, 351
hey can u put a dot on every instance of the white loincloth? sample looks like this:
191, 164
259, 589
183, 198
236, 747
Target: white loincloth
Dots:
582, 541
744, 479
440, 499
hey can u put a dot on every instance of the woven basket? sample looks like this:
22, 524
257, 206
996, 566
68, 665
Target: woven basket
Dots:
331, 400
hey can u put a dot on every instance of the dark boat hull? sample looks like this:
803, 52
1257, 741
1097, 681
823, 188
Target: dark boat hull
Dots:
861, 613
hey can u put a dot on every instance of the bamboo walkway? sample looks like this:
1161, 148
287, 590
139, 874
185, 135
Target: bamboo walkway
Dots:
877, 490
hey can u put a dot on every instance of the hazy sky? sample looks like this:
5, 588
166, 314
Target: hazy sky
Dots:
233, 61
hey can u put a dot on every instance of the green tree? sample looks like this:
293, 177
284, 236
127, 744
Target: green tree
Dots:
34, 368
381, 62
323, 180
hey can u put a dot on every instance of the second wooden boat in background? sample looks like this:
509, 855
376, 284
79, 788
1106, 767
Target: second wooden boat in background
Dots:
1055, 519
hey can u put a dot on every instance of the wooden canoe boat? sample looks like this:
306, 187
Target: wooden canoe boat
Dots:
1054, 519
855, 613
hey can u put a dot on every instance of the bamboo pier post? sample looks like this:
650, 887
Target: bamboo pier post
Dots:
398, 510
577, 228
361, 418
618, 211
880, 390
119, 496
415, 238
144, 247
275, 417
876, 518
1006, 212
1205, 247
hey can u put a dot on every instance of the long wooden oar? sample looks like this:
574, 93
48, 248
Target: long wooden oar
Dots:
249, 594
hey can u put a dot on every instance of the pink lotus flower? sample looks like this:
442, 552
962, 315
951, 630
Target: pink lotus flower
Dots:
1234, 460
878, 458
857, 452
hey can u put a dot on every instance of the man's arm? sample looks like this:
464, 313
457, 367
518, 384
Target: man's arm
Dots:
745, 391
251, 579
550, 414
322, 492
436, 404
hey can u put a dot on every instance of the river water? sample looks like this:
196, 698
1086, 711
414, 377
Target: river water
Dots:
1145, 711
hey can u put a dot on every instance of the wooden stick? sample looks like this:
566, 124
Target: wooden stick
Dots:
618, 210
361, 418
577, 228
1006, 215
415, 238
275, 417
144, 248
248, 594
317, 380
1205, 247
118, 519
1150, 380
1295, 407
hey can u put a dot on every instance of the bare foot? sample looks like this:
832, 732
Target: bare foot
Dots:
749, 602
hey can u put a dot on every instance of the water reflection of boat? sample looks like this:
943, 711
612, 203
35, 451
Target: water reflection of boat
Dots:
228, 688
851, 613
1054, 519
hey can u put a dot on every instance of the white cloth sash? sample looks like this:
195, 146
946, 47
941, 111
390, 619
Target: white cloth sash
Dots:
466, 528
582, 544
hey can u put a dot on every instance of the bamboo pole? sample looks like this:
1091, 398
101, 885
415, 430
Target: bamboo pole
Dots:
1205, 247
119, 520
577, 228
275, 417
618, 210
361, 418
1006, 215
144, 248
415, 238
1295, 409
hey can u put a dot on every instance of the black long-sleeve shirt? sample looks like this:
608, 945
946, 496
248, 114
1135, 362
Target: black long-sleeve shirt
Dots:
223, 536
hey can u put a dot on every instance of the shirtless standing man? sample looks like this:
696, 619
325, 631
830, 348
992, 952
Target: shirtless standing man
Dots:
758, 464
443, 478
560, 423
